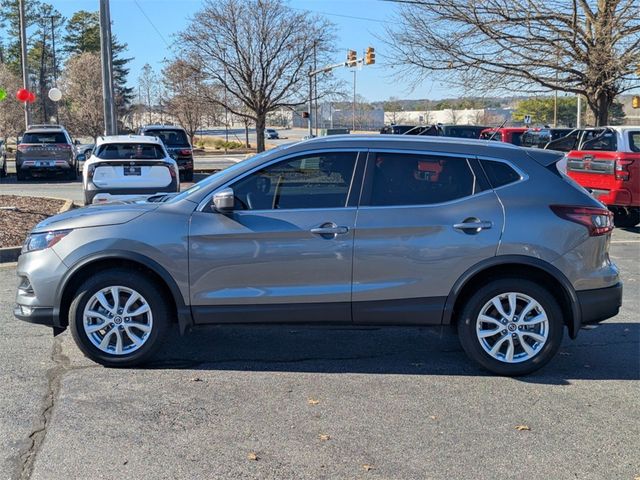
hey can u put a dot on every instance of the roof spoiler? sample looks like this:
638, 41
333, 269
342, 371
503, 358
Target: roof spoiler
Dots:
545, 157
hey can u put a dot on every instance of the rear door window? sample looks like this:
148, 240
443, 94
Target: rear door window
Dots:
414, 179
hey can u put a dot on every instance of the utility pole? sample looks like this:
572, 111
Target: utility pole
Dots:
23, 53
55, 66
110, 120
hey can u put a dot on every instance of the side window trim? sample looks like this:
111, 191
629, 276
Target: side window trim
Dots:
367, 188
360, 153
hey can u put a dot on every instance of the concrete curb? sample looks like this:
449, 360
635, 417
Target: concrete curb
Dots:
11, 254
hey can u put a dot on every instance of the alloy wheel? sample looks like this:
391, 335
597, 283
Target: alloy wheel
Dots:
117, 320
512, 327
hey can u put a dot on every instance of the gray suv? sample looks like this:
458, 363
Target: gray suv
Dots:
46, 149
340, 230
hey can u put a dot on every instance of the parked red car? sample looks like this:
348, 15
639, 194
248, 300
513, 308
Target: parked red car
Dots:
609, 166
504, 134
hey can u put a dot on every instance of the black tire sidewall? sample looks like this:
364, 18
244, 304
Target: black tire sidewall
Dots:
124, 278
471, 310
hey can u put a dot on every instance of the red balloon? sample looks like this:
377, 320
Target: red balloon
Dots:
31, 98
22, 95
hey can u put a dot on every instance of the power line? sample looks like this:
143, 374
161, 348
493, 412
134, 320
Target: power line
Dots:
152, 24
366, 19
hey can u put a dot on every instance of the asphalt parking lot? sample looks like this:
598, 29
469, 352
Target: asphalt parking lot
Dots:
308, 403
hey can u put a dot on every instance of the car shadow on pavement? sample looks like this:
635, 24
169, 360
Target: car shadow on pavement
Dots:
609, 352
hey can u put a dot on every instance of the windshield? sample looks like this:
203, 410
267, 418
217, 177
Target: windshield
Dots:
44, 137
171, 138
126, 151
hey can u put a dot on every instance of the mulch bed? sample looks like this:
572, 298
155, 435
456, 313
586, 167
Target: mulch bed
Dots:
25, 212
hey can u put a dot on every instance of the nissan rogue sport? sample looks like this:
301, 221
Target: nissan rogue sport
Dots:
346, 230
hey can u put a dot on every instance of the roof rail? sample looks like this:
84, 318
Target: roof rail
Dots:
45, 125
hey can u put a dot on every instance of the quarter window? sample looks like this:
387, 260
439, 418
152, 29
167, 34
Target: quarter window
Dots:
310, 181
410, 179
500, 173
634, 141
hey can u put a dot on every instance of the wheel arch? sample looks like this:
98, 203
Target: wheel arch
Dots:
88, 266
516, 266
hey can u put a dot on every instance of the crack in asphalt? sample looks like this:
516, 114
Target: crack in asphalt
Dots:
36, 437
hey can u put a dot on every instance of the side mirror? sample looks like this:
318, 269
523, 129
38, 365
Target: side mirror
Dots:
224, 200
81, 157
76, 142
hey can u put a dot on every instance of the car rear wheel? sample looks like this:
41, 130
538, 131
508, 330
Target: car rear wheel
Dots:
20, 175
118, 318
3, 170
188, 176
511, 326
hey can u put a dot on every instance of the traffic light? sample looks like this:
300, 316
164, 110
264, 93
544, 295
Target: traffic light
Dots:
635, 101
352, 58
370, 56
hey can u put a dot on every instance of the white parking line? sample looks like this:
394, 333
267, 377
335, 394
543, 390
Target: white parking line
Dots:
625, 241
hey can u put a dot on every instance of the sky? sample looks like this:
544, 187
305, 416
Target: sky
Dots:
148, 27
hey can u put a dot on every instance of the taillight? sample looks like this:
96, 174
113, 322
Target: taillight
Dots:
598, 221
186, 151
90, 170
622, 168
172, 171
63, 146
22, 148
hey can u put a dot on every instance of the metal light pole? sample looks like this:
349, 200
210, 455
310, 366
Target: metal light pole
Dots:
110, 121
353, 106
23, 54
310, 102
579, 112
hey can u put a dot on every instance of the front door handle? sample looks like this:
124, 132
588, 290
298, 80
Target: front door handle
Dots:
329, 230
473, 225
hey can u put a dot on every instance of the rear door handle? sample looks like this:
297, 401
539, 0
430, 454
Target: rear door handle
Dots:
329, 230
473, 225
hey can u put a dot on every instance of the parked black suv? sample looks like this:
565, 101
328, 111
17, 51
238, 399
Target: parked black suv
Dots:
176, 141
46, 149
539, 138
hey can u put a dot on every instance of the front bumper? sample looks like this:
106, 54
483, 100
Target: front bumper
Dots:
599, 304
38, 315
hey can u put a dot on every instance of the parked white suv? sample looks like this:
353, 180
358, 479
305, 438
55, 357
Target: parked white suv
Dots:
124, 167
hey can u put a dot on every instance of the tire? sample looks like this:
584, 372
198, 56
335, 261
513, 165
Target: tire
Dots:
3, 170
626, 217
147, 327
511, 335
188, 176
72, 174
20, 175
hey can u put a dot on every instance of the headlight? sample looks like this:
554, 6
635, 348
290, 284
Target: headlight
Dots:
40, 241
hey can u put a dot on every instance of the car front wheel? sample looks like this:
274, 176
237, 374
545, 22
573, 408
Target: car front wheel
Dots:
118, 318
511, 326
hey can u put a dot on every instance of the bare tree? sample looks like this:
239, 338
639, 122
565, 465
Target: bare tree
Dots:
185, 87
148, 89
585, 47
81, 109
259, 51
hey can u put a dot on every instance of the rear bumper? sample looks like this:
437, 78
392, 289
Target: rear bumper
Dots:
599, 304
91, 191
